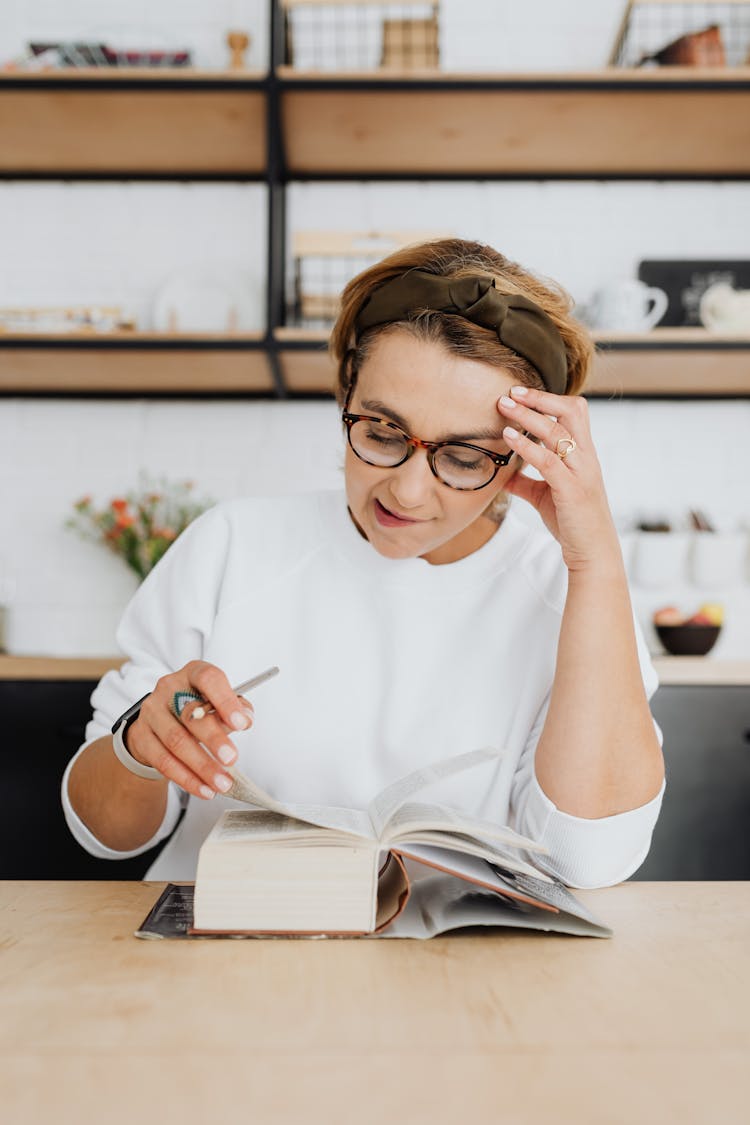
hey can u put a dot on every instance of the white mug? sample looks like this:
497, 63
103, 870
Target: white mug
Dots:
724, 309
627, 306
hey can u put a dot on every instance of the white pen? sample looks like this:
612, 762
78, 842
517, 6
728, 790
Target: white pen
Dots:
201, 712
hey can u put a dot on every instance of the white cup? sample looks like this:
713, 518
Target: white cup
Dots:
724, 309
627, 306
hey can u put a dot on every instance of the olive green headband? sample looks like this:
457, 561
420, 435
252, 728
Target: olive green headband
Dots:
520, 324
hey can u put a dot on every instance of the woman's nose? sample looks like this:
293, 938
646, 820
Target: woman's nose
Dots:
413, 481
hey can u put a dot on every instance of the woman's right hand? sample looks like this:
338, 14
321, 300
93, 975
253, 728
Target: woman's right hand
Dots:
173, 746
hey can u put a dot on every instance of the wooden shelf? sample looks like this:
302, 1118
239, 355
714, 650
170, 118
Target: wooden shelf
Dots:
672, 670
671, 361
146, 124
147, 363
127, 75
701, 670
57, 667
662, 363
126, 337
615, 123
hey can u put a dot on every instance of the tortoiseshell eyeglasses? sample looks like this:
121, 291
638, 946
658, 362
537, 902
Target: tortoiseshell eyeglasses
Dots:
456, 464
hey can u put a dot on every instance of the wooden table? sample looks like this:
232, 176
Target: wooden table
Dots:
652, 1025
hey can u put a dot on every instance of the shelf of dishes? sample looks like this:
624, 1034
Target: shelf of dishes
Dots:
662, 363
672, 671
674, 121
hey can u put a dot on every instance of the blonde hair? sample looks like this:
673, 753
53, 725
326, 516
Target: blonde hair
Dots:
454, 258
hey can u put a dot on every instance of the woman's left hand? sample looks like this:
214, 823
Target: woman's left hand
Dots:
570, 498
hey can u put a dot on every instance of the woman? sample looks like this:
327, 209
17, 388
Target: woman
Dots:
414, 617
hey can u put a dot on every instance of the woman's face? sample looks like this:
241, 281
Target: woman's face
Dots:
436, 396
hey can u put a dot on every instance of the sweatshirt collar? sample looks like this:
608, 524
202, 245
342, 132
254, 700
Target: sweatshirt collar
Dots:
494, 556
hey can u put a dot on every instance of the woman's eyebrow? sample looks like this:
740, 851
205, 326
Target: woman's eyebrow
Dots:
484, 434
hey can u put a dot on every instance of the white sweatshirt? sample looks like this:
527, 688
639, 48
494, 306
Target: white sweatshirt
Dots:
386, 665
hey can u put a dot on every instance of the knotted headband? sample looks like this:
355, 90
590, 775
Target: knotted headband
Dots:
520, 324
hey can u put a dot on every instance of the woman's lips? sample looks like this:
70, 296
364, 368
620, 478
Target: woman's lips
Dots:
389, 519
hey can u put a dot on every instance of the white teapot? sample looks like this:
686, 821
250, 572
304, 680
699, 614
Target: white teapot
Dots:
724, 309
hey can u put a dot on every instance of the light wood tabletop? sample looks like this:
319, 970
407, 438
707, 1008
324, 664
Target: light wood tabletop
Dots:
652, 1025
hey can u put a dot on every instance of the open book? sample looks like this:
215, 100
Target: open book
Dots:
303, 869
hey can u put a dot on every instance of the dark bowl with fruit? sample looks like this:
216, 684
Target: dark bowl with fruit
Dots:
688, 640
689, 636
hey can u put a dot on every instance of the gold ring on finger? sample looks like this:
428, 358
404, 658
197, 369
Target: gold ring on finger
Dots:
564, 446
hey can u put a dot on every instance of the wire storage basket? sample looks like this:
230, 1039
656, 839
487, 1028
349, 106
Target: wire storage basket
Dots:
333, 35
324, 261
708, 33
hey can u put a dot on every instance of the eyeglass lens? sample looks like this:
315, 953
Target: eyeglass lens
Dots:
381, 445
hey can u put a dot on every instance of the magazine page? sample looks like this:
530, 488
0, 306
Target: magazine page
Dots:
442, 903
474, 869
457, 842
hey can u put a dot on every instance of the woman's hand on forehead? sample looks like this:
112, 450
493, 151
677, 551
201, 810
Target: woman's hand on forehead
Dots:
570, 497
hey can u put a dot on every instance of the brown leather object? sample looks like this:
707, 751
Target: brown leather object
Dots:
699, 48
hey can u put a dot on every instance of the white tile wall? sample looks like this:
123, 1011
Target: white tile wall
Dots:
81, 242
120, 243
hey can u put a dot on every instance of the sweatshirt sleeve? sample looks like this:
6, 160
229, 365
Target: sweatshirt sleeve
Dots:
164, 626
583, 853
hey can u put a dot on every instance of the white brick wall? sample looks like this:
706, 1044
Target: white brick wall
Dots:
118, 242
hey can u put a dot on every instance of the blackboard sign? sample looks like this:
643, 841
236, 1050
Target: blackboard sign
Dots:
685, 282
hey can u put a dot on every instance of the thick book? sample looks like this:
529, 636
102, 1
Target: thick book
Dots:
400, 868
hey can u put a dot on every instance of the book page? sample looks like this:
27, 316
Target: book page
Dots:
262, 824
245, 790
383, 807
354, 821
366, 824
417, 817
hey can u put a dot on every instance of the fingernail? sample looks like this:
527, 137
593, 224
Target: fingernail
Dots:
226, 754
239, 721
519, 391
222, 782
508, 402
510, 432
207, 793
